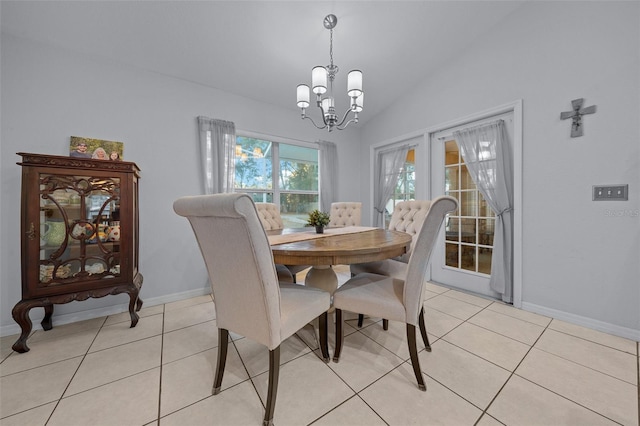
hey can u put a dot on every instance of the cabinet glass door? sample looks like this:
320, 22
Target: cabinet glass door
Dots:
79, 228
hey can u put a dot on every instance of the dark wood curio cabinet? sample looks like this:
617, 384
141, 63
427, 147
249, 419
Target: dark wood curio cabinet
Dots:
79, 235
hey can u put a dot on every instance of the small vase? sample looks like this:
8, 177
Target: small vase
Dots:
319, 229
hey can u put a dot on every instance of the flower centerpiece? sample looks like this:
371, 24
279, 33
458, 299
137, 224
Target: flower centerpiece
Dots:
319, 220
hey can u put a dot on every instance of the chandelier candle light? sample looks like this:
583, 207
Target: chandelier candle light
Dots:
319, 77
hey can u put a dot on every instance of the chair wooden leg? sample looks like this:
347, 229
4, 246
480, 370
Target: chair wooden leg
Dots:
274, 373
360, 320
423, 331
413, 352
223, 344
385, 324
339, 337
324, 346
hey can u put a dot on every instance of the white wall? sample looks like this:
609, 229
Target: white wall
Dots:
579, 262
49, 94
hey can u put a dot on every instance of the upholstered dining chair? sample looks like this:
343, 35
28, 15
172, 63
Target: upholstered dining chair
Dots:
345, 214
398, 299
248, 298
407, 216
270, 217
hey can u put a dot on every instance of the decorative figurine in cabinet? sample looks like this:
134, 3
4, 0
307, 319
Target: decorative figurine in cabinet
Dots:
79, 233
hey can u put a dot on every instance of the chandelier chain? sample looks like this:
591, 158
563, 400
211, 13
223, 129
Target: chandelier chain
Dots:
331, 46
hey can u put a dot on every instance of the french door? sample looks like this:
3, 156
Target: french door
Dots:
462, 257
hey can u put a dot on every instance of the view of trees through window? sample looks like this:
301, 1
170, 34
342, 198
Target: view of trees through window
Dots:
279, 173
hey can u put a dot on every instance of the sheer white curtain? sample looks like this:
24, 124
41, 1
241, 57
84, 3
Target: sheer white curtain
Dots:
217, 150
487, 154
328, 165
389, 165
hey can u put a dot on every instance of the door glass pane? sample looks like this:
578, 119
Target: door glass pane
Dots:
465, 178
484, 260
468, 203
468, 258
469, 230
452, 255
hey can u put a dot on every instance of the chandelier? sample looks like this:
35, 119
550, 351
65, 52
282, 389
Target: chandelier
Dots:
322, 78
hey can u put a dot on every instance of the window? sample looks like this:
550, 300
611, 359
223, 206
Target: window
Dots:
469, 230
281, 173
406, 186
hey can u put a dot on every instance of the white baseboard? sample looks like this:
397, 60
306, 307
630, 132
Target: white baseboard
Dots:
8, 330
627, 333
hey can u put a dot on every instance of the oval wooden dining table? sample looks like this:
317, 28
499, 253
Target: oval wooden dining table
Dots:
337, 246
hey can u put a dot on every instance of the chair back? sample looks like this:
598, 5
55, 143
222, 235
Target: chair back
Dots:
421, 254
408, 216
345, 214
269, 215
239, 262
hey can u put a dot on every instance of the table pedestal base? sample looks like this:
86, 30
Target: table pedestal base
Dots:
322, 277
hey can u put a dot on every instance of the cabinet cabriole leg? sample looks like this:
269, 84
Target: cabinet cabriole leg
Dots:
46, 323
133, 301
20, 314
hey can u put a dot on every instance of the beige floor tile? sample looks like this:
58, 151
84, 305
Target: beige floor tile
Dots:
238, 405
255, 356
471, 377
439, 323
35, 417
180, 304
189, 340
524, 403
353, 412
397, 399
615, 342
190, 379
514, 328
493, 347
394, 339
435, 288
142, 313
88, 326
47, 352
454, 307
487, 420
131, 401
179, 318
469, 298
509, 310
109, 365
363, 361
430, 294
122, 333
32, 388
603, 394
307, 389
621, 365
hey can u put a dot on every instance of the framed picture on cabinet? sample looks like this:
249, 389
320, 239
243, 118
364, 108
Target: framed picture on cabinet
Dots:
97, 149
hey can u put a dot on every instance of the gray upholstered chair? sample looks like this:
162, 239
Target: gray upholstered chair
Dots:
270, 217
398, 299
248, 298
407, 216
345, 214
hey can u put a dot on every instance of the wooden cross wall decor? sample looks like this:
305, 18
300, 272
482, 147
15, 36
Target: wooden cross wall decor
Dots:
576, 115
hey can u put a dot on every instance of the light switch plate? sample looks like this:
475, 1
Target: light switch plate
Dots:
610, 192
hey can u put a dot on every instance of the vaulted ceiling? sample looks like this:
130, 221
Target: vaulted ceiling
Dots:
264, 49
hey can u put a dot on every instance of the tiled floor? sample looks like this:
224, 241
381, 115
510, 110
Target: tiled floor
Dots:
491, 364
